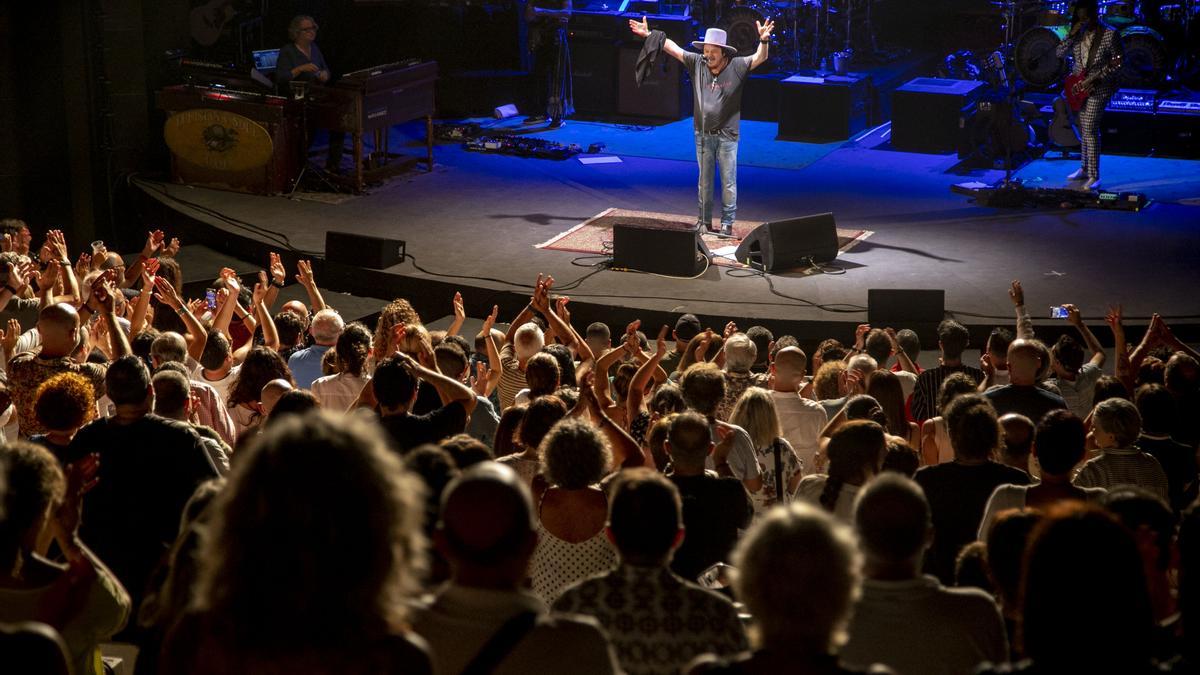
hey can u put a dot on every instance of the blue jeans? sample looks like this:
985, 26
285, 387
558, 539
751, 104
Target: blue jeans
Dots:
710, 150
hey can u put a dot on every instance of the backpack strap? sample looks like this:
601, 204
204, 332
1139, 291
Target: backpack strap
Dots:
501, 644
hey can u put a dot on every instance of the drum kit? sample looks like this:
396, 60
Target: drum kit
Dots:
808, 32
1159, 39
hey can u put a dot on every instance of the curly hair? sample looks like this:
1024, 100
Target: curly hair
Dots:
396, 312
353, 347
260, 367
825, 381
574, 455
65, 401
316, 539
955, 385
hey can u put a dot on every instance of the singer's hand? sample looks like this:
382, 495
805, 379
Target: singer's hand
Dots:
640, 28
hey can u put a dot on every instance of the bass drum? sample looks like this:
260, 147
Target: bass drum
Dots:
1035, 58
1145, 61
738, 22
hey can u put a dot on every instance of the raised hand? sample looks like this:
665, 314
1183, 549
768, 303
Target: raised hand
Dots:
48, 276
702, 349
83, 265
304, 273
172, 249
561, 309
1073, 316
660, 348
105, 294
278, 273
986, 365
9, 337
460, 312
730, 329
490, 320
260, 289
764, 28
1016, 293
231, 280
1113, 316
640, 28
166, 293
154, 243
58, 245
860, 335
6, 244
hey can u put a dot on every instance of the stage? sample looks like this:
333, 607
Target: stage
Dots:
474, 222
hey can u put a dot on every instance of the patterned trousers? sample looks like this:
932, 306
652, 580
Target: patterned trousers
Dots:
1089, 132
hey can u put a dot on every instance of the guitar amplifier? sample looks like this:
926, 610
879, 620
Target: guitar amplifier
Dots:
1177, 127
816, 108
1127, 126
926, 113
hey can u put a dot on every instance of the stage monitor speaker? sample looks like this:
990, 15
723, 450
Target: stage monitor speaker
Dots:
363, 250
788, 244
918, 309
663, 249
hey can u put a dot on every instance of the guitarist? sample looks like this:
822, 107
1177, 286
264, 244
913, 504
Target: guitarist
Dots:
1092, 45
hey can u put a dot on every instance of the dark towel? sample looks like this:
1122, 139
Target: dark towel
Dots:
649, 54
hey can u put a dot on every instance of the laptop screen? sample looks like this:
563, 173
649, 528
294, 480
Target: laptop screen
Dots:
264, 59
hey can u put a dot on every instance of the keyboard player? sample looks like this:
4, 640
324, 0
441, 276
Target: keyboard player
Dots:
303, 61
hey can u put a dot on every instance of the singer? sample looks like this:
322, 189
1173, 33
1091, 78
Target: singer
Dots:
718, 76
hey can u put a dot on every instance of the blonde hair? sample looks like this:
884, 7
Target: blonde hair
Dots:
394, 313
825, 382
755, 412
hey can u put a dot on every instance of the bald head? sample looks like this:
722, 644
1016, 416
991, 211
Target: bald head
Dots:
1019, 431
505, 536
791, 364
59, 327
272, 392
1025, 361
296, 307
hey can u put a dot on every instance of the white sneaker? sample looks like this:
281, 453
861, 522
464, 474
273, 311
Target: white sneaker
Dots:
1092, 183
1077, 175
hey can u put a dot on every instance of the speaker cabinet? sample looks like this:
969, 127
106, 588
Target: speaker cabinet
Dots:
815, 108
362, 250
792, 243
926, 113
594, 76
664, 93
660, 248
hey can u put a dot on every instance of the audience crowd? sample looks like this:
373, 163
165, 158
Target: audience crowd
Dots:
235, 487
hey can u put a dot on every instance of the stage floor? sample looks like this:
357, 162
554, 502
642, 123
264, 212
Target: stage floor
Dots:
479, 216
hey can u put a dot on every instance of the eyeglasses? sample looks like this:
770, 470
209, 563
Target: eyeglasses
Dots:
306, 29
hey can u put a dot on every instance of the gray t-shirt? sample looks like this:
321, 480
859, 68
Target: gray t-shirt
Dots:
717, 100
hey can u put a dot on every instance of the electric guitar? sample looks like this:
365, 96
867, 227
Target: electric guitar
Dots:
1077, 88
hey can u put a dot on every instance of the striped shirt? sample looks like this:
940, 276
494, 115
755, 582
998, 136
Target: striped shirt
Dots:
512, 378
1115, 467
929, 385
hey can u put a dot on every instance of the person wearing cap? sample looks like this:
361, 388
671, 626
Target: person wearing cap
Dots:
686, 328
718, 76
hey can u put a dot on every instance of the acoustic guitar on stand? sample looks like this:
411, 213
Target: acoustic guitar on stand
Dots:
1077, 87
